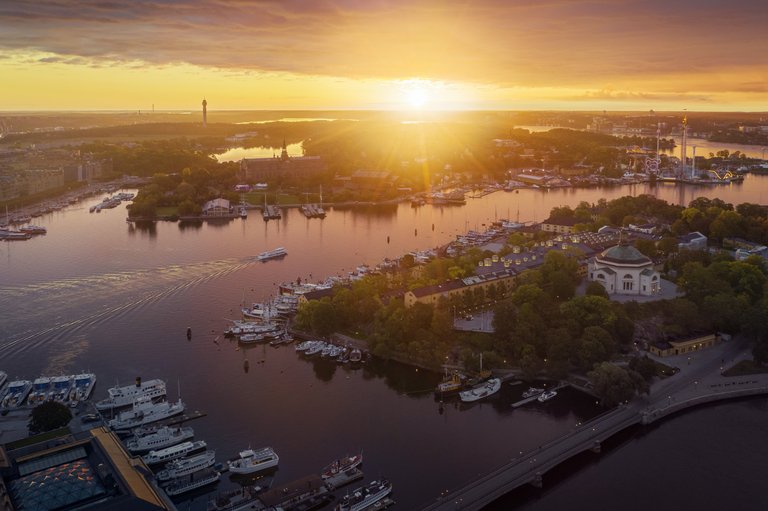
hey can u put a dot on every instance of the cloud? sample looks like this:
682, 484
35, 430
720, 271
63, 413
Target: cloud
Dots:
527, 43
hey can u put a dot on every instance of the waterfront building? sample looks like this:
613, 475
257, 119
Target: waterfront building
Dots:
682, 346
74, 471
624, 270
259, 169
217, 207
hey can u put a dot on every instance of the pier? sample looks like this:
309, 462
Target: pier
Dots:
694, 385
271, 212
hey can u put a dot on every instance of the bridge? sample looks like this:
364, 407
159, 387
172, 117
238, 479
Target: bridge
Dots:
695, 384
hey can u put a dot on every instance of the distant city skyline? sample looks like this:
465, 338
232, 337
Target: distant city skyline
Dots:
371, 55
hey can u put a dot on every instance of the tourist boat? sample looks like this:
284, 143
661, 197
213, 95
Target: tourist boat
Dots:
341, 465
532, 391
484, 390
251, 461
272, 254
16, 393
173, 452
145, 411
192, 481
546, 396
161, 438
40, 389
125, 396
82, 387
185, 466
365, 496
243, 498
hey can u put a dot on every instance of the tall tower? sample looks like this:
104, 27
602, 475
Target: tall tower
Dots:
284, 155
205, 113
683, 148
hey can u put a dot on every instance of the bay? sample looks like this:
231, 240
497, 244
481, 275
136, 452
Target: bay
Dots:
99, 294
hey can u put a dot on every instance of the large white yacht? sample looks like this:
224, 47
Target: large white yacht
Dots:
272, 254
125, 396
145, 411
173, 452
185, 466
253, 460
165, 436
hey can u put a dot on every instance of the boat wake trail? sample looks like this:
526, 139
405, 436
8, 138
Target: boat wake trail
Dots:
59, 310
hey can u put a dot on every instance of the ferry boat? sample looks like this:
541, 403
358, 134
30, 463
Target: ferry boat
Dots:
125, 396
9, 235
252, 461
82, 387
185, 466
243, 498
163, 437
272, 254
192, 481
16, 393
33, 229
342, 465
546, 396
450, 384
488, 388
145, 411
365, 496
60, 388
173, 452
40, 389
532, 391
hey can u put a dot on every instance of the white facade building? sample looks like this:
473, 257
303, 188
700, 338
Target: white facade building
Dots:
624, 270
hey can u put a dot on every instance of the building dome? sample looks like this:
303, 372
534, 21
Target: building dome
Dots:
624, 254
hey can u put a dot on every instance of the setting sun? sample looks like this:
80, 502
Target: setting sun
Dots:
417, 97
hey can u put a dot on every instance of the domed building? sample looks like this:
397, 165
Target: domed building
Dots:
624, 270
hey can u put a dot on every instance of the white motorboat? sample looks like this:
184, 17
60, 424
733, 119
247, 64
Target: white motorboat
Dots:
484, 390
173, 452
163, 437
192, 481
546, 396
125, 396
365, 496
532, 391
185, 466
82, 387
272, 254
145, 411
40, 389
251, 461
60, 388
16, 393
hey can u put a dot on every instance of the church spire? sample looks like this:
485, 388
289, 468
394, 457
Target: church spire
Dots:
284, 154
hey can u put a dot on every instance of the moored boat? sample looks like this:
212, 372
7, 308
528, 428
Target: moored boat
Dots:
40, 389
16, 393
250, 461
484, 390
365, 496
532, 391
163, 437
185, 466
192, 481
145, 411
243, 498
546, 396
125, 396
82, 387
60, 388
173, 452
451, 384
342, 464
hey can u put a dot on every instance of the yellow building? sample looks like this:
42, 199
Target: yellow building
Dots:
683, 346
459, 287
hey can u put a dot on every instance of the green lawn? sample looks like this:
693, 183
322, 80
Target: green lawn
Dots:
42, 437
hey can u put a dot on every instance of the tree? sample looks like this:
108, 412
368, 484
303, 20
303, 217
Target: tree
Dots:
596, 289
49, 415
615, 385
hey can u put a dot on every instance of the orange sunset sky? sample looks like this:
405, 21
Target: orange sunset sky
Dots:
378, 54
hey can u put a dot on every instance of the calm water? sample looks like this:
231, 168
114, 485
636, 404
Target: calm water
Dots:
238, 153
97, 294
